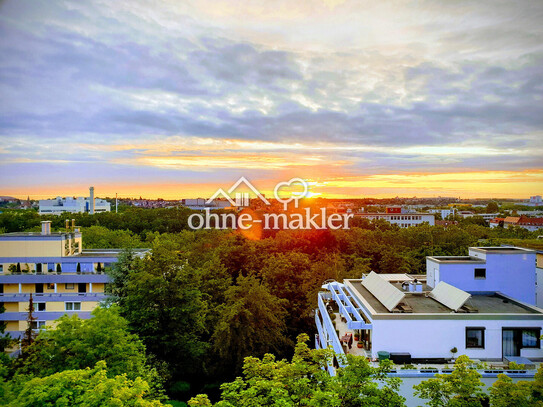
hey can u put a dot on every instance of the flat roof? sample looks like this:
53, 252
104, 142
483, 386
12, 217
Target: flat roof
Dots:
420, 303
106, 252
37, 234
456, 259
503, 249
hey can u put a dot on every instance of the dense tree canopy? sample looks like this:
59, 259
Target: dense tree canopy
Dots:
85, 388
304, 382
76, 344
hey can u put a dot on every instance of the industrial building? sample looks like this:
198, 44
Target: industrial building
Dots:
80, 204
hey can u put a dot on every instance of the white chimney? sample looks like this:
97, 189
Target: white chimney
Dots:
46, 227
91, 198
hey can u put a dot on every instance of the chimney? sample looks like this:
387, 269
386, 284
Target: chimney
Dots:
67, 224
73, 224
46, 227
91, 198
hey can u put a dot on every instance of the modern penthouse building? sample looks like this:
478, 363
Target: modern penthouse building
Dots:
61, 277
61, 205
481, 304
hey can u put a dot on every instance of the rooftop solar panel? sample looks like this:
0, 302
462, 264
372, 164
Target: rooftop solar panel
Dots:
386, 293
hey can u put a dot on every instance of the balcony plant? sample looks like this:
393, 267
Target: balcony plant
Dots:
360, 344
453, 351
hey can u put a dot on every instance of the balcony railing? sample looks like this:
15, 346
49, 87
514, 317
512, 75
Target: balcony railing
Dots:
51, 295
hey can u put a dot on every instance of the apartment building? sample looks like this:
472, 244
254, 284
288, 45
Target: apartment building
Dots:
55, 270
481, 304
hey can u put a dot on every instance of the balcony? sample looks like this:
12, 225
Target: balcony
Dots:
29, 278
24, 297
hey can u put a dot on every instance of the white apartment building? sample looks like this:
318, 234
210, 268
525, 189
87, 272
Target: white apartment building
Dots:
403, 220
481, 304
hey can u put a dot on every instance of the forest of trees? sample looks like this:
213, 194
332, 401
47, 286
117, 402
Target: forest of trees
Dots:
203, 301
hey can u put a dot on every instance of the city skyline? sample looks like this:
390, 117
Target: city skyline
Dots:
362, 99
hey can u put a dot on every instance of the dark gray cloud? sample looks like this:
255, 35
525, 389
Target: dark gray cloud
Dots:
65, 76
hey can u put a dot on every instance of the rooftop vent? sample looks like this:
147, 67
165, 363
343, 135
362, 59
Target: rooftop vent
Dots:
46, 227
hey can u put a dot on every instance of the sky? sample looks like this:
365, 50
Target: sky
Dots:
175, 99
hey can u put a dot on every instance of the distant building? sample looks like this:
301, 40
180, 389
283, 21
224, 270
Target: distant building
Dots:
443, 212
496, 222
61, 205
201, 204
52, 267
535, 200
400, 217
531, 224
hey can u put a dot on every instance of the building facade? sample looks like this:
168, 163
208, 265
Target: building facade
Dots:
55, 270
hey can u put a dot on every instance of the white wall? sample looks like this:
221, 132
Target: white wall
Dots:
435, 338
512, 274
539, 287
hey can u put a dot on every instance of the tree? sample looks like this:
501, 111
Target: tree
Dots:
5, 339
304, 381
86, 387
29, 334
76, 344
492, 207
460, 388
161, 298
18, 268
252, 322
504, 392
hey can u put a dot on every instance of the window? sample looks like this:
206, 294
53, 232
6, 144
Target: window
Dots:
39, 306
37, 324
530, 338
480, 274
475, 338
69, 286
1, 268
50, 286
73, 306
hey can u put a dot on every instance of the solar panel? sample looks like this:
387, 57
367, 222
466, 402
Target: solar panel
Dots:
386, 293
450, 296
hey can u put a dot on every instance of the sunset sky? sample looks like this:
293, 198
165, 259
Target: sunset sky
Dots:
174, 99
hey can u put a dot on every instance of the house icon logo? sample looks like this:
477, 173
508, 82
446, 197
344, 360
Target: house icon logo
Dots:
302, 219
241, 199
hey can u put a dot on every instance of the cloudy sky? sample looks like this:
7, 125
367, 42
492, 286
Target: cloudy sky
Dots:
363, 98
